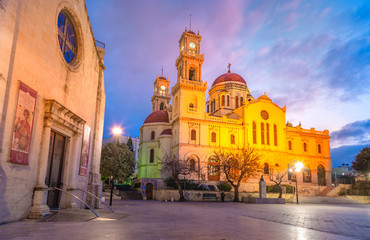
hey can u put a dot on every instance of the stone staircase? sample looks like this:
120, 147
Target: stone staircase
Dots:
325, 192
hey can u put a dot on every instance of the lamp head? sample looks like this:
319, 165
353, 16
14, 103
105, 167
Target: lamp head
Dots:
117, 131
298, 166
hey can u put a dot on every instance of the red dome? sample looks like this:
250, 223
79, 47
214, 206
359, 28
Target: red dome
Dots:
157, 116
229, 77
166, 132
191, 32
161, 77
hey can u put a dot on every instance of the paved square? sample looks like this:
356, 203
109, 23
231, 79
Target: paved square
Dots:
201, 220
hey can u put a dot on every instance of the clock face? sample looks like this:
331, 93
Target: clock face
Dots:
264, 115
192, 45
163, 87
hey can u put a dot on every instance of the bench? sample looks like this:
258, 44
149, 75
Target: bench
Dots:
210, 196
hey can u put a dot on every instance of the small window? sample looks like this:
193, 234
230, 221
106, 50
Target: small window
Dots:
319, 148
290, 145
262, 133
152, 135
228, 100
266, 169
305, 147
254, 133
193, 134
267, 134
191, 105
67, 37
161, 107
223, 100
275, 135
213, 137
191, 74
192, 165
236, 102
151, 156
241, 101
208, 108
232, 139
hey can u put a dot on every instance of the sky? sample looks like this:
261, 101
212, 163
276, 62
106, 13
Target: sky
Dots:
311, 56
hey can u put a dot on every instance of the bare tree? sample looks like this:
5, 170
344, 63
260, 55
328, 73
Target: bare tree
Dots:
238, 164
176, 167
277, 179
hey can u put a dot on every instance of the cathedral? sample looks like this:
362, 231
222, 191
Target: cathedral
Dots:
194, 127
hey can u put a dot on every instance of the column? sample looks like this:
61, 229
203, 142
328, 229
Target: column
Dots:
39, 207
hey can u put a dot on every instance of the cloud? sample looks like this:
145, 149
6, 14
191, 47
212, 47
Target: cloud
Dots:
353, 133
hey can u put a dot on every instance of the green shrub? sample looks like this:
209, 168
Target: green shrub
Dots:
224, 187
275, 189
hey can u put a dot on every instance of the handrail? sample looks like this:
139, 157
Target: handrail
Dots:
77, 199
96, 198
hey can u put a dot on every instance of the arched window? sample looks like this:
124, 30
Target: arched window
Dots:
266, 169
236, 102
262, 133
305, 147
290, 145
193, 134
151, 156
191, 105
161, 106
67, 37
254, 133
223, 100
152, 135
291, 174
241, 101
306, 173
192, 165
232, 139
267, 134
275, 135
319, 148
213, 137
228, 100
192, 73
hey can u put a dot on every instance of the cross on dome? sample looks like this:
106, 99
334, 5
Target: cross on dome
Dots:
228, 66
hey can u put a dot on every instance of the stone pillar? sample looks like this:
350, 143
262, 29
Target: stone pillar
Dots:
328, 178
262, 185
39, 207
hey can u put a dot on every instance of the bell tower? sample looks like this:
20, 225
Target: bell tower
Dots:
189, 91
161, 96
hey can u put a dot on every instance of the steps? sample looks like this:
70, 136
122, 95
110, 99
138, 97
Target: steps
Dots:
325, 192
326, 200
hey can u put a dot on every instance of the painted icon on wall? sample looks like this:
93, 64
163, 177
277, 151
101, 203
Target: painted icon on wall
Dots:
84, 161
23, 125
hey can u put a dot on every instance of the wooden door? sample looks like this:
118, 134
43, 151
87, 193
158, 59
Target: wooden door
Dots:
55, 168
149, 191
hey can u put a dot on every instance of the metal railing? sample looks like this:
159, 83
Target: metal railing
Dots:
95, 198
77, 199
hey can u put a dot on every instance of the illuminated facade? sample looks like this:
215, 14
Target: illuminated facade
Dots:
194, 128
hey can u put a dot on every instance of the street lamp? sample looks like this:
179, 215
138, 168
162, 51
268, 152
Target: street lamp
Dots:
116, 131
296, 168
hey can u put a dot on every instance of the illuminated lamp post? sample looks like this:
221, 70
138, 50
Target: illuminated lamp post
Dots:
296, 168
116, 131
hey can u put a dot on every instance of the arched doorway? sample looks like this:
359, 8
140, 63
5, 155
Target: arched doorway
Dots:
321, 175
149, 191
213, 169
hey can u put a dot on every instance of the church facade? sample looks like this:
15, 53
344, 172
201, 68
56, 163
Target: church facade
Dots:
52, 102
194, 127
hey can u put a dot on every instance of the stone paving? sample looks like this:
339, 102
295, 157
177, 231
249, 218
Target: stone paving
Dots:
201, 220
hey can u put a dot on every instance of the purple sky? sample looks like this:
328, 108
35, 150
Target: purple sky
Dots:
312, 56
